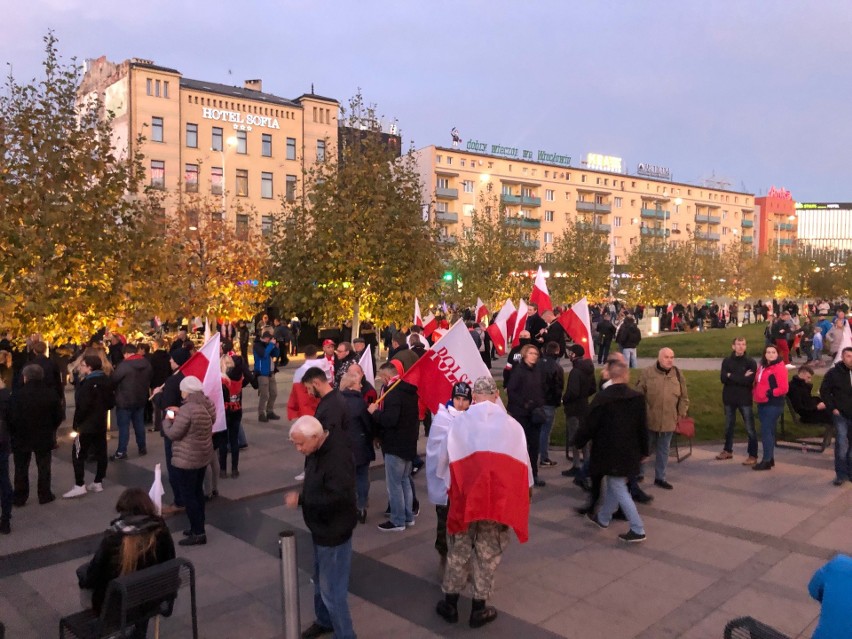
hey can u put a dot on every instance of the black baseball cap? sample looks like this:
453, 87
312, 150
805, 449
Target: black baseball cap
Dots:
462, 389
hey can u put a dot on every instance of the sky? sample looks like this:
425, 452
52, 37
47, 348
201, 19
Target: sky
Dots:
753, 93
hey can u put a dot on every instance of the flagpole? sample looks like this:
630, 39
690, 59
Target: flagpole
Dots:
392, 386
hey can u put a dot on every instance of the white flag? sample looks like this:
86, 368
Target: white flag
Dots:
156, 493
366, 364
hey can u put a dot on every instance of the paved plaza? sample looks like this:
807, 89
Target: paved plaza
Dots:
725, 542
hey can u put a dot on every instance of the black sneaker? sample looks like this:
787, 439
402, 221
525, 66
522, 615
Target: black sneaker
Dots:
271, 415
547, 463
416, 508
262, 418
316, 630
571, 472
593, 518
448, 611
631, 537
641, 497
193, 540
539, 483
479, 618
389, 526
118, 457
662, 483
143, 452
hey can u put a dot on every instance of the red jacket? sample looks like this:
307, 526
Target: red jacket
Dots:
301, 402
761, 389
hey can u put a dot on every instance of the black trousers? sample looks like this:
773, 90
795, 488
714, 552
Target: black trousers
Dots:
441, 529
532, 431
22, 474
83, 445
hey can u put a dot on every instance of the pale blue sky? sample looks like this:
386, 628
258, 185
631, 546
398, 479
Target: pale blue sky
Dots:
754, 92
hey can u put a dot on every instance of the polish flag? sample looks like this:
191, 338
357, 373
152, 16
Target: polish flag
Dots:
520, 323
204, 365
453, 358
418, 319
575, 321
540, 295
366, 364
845, 341
499, 331
429, 325
481, 311
489, 470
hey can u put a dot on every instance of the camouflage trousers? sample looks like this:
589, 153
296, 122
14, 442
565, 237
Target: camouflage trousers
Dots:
475, 555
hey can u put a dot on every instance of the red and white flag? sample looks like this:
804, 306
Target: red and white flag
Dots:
429, 325
576, 323
845, 341
366, 364
520, 323
490, 471
204, 365
540, 295
418, 319
453, 358
481, 311
499, 330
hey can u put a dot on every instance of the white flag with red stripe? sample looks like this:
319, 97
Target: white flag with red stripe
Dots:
418, 319
520, 323
576, 323
453, 358
499, 330
366, 364
540, 295
845, 341
481, 311
429, 324
204, 365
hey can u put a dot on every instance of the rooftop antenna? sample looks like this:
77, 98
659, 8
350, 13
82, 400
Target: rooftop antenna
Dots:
312, 88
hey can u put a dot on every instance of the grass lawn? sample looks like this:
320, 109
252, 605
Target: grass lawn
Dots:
711, 343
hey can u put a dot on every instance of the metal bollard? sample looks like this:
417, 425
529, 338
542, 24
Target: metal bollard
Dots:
289, 584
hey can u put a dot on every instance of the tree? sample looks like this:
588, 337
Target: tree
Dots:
356, 243
651, 267
696, 269
738, 262
493, 257
73, 240
582, 256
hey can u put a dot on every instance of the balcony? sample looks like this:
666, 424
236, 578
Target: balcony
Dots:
655, 214
529, 200
448, 239
446, 216
748, 239
786, 242
600, 207
524, 222
705, 235
747, 224
595, 228
654, 232
786, 226
509, 199
533, 244
701, 218
447, 194
593, 207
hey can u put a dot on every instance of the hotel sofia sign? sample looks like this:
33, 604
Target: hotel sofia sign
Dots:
241, 121
654, 171
514, 153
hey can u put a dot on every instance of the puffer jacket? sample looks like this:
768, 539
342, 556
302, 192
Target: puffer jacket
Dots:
132, 381
192, 432
665, 397
770, 383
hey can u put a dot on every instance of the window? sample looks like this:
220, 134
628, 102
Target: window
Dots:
266, 225
582, 178
548, 216
291, 188
266, 145
441, 207
548, 237
467, 185
618, 202
449, 159
266, 185
675, 226
291, 148
158, 174
506, 189
190, 178
461, 161
526, 192
216, 180
438, 159
156, 129
191, 135
320, 150
192, 219
443, 183
242, 225
217, 217
616, 241
149, 86
165, 88
157, 89
216, 142
549, 195
242, 143
242, 182
616, 221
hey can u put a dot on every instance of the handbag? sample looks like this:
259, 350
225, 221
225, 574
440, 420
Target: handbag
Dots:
685, 426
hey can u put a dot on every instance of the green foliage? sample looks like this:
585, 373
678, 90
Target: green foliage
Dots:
581, 255
710, 343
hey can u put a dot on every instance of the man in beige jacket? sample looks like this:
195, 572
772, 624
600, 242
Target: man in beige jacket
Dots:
667, 400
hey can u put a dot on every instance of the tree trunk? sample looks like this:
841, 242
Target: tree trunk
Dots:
356, 318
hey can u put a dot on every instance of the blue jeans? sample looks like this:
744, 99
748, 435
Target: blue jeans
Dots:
362, 485
332, 565
171, 470
768, 414
400, 495
616, 495
126, 416
731, 422
191, 482
842, 453
660, 442
544, 440
630, 356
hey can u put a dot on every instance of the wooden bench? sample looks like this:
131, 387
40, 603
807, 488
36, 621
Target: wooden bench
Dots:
134, 598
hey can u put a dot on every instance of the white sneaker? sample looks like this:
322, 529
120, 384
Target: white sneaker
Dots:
77, 491
95, 487
300, 477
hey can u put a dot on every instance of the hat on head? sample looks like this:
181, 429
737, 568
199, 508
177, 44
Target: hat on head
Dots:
180, 355
577, 349
326, 342
485, 386
462, 389
190, 385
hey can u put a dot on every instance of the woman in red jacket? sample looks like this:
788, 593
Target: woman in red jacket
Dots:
770, 387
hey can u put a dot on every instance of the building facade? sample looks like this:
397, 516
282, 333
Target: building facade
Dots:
237, 146
777, 221
545, 194
826, 228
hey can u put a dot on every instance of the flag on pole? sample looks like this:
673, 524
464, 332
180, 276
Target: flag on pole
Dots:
156, 493
418, 319
540, 295
429, 325
576, 323
453, 358
366, 364
499, 331
481, 311
520, 323
845, 341
204, 365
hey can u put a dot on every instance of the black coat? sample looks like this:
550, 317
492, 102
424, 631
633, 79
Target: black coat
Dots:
554, 379
736, 384
525, 390
5, 437
836, 390
328, 494
161, 367
34, 415
94, 397
805, 404
360, 427
332, 414
554, 333
581, 386
534, 324
606, 331
628, 335
52, 377
617, 426
398, 422
132, 382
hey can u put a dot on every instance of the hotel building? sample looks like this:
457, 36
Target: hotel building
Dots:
826, 227
238, 144
777, 221
544, 193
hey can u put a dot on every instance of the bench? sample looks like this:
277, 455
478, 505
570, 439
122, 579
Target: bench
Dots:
810, 444
749, 628
135, 598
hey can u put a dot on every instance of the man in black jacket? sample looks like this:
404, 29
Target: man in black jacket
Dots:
575, 403
132, 382
328, 506
811, 409
554, 381
331, 410
628, 337
737, 377
606, 331
553, 332
525, 392
836, 392
398, 426
617, 427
